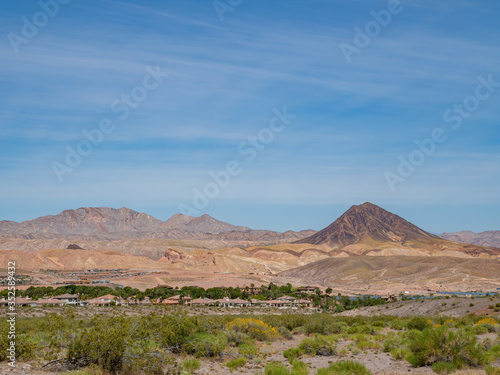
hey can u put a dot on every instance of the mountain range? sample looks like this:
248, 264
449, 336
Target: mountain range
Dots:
109, 224
364, 229
489, 238
365, 246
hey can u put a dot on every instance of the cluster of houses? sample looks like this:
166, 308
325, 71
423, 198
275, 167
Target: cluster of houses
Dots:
281, 302
108, 300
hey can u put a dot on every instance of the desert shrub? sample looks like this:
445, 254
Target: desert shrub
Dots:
191, 364
445, 345
255, 328
276, 368
399, 353
367, 344
444, 367
104, 344
285, 333
353, 330
398, 325
91, 370
292, 354
206, 345
344, 368
318, 345
318, 324
339, 327
419, 323
486, 325
299, 368
25, 348
392, 343
492, 370
155, 363
235, 363
479, 329
248, 350
487, 320
493, 353
237, 338
289, 321
175, 331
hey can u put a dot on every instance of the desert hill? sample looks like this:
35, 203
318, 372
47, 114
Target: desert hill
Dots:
488, 238
77, 259
395, 272
370, 230
369, 222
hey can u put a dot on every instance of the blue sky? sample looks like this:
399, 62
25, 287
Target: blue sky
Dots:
352, 120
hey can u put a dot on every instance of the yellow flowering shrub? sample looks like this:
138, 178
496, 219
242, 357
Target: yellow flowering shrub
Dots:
255, 328
487, 321
450, 323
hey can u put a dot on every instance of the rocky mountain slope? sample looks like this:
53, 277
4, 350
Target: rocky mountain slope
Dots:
370, 230
369, 222
489, 238
108, 224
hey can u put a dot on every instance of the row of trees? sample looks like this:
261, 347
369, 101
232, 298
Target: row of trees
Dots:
322, 300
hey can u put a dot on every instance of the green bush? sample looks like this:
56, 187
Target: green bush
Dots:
443, 344
151, 364
25, 349
492, 370
444, 367
276, 368
206, 345
292, 354
399, 353
235, 363
419, 323
299, 368
104, 344
318, 345
175, 331
191, 364
344, 368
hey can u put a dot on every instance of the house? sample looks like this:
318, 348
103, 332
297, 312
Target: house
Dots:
69, 299
135, 301
167, 302
256, 302
19, 301
237, 302
202, 302
105, 300
240, 302
307, 289
304, 303
225, 302
181, 300
48, 302
288, 299
277, 303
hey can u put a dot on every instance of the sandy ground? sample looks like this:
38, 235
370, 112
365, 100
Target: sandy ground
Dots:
454, 307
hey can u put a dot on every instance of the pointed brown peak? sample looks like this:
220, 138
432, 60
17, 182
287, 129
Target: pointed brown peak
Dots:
368, 222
